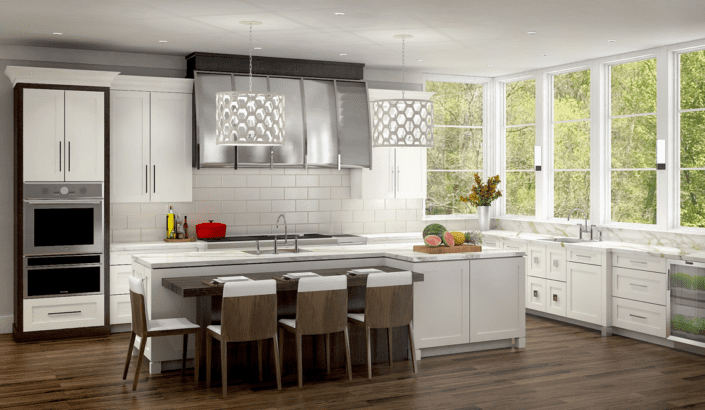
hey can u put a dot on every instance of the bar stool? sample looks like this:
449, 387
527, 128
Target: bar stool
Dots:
388, 303
321, 309
249, 313
154, 328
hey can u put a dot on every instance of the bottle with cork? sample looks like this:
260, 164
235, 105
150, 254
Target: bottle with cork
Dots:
171, 224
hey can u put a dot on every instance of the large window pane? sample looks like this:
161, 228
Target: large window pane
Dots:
571, 96
692, 198
521, 102
692, 82
521, 192
456, 103
444, 190
520, 147
634, 142
692, 142
455, 148
571, 189
571, 142
633, 87
634, 196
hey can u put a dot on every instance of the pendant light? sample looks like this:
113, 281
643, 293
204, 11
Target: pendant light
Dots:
249, 118
402, 122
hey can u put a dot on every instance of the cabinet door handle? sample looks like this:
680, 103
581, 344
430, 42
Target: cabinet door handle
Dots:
69, 162
639, 262
639, 317
536, 260
146, 179
64, 313
59, 156
154, 179
636, 284
555, 298
398, 171
582, 256
338, 162
536, 293
555, 263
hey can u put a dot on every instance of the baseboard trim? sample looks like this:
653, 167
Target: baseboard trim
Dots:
6, 324
466, 348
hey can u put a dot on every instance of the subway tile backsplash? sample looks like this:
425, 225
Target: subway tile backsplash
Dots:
249, 201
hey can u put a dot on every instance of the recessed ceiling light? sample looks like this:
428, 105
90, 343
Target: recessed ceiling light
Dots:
420, 61
58, 34
611, 41
545, 55
163, 41
257, 48
343, 54
339, 14
491, 65
530, 32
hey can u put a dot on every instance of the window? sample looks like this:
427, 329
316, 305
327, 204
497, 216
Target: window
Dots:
457, 146
633, 141
692, 149
571, 142
520, 138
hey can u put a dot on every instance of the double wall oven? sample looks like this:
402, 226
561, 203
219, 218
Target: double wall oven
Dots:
63, 239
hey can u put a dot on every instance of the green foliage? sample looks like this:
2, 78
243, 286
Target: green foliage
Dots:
521, 192
683, 280
521, 102
473, 237
520, 187
571, 96
571, 190
456, 103
634, 196
455, 149
694, 325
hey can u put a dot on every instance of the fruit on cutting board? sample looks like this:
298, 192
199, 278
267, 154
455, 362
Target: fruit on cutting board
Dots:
459, 237
434, 229
432, 241
448, 239
473, 237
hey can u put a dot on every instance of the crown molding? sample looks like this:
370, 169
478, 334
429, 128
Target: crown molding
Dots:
152, 84
59, 76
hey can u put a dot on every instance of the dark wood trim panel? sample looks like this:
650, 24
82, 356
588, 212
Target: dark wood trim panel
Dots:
18, 213
234, 63
106, 207
60, 333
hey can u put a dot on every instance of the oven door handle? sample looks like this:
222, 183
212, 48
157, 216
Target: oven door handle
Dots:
69, 202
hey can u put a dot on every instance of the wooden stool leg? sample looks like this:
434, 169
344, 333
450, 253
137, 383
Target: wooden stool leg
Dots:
299, 360
369, 353
183, 355
277, 364
281, 349
347, 352
389, 336
143, 344
224, 366
328, 352
197, 357
209, 351
413, 348
259, 358
129, 355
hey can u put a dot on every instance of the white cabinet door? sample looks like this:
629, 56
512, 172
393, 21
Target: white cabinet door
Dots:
171, 139
43, 135
536, 293
120, 309
585, 293
555, 297
377, 182
410, 173
129, 146
442, 304
639, 285
556, 258
536, 260
639, 317
85, 135
496, 289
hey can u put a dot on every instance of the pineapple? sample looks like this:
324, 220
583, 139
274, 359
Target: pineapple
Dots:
459, 237
473, 238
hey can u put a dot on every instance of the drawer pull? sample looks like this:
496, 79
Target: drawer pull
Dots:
640, 262
536, 293
640, 317
64, 313
555, 298
584, 256
636, 284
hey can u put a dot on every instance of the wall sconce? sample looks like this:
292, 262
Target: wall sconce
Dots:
660, 154
537, 157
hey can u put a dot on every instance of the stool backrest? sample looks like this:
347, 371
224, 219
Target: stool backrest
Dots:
389, 299
249, 310
322, 305
139, 314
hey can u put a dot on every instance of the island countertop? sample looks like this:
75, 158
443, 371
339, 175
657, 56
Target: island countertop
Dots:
402, 252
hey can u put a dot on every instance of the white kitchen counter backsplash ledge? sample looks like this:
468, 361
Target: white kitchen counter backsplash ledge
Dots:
248, 201
684, 242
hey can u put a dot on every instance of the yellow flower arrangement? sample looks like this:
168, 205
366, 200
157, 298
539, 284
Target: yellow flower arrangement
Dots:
483, 194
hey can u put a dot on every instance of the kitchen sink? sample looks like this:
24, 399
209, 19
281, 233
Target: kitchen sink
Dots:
565, 240
271, 251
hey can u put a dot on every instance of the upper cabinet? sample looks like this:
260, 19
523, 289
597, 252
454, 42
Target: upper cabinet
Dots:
63, 133
354, 132
151, 143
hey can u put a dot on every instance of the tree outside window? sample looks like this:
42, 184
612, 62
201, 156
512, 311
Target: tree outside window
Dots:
692, 147
457, 147
520, 138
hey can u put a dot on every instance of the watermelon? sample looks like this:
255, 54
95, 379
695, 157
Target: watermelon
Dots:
432, 241
434, 229
448, 238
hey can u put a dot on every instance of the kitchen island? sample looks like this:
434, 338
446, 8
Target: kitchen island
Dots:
466, 301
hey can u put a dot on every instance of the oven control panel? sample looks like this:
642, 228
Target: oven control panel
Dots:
63, 190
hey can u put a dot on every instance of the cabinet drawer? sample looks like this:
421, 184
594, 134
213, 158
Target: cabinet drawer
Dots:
555, 297
119, 279
536, 260
120, 309
536, 293
513, 246
639, 285
491, 242
557, 264
582, 255
63, 313
642, 262
639, 316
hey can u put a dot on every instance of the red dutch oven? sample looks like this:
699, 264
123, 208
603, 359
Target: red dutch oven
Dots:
208, 230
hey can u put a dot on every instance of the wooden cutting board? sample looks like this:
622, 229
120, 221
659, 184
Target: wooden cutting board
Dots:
447, 249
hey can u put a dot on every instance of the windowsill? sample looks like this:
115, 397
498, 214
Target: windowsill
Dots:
613, 225
449, 217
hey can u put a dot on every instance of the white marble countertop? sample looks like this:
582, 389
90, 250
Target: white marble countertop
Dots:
399, 251
155, 245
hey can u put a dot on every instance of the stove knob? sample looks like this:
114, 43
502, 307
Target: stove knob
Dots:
45, 191
83, 191
64, 190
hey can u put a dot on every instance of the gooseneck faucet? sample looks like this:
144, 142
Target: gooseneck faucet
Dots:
286, 233
580, 225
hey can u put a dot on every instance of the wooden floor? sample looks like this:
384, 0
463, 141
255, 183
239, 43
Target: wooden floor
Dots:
562, 367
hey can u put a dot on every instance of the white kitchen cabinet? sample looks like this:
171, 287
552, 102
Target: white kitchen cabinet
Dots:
120, 309
63, 312
63, 135
556, 258
491, 242
396, 173
639, 317
585, 293
536, 293
556, 297
151, 140
496, 305
639, 285
536, 255
442, 304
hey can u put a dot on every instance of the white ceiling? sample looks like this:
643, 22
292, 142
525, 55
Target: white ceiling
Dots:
451, 36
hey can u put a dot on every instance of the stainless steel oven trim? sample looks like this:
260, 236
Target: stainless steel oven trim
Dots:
26, 270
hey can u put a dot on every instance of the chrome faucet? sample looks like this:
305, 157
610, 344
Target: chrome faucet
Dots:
286, 233
580, 226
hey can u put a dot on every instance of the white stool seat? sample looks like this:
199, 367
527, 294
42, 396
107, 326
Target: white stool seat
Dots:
358, 317
170, 324
288, 322
214, 328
